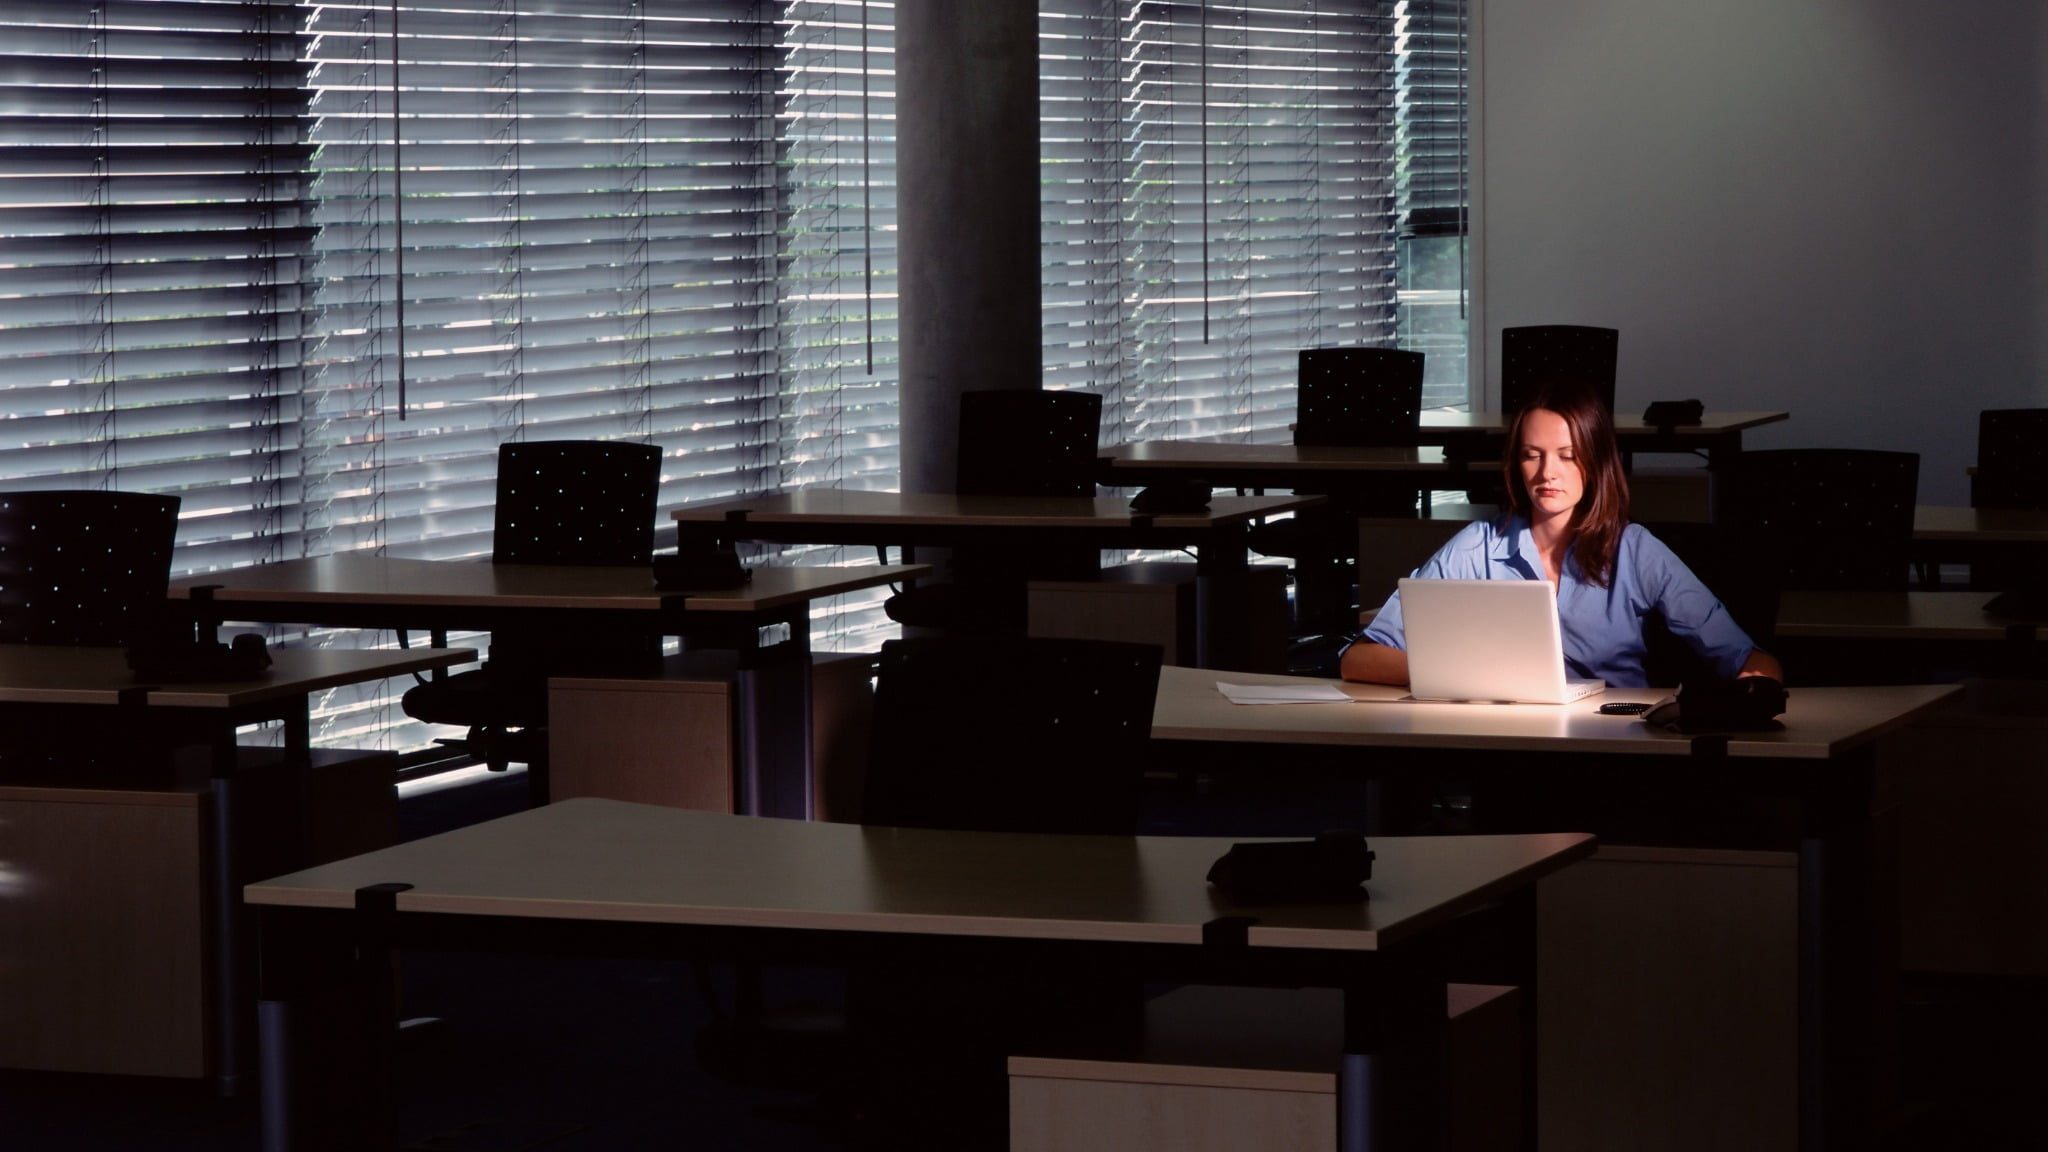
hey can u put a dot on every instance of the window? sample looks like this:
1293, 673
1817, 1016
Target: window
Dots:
308, 265
596, 219
150, 263
1225, 184
1433, 151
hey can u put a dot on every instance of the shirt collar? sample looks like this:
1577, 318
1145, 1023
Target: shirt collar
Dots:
1512, 544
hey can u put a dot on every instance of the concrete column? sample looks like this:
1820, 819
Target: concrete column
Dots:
967, 216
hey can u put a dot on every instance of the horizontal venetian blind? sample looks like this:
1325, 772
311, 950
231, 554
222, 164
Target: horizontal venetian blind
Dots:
151, 230
580, 193
1218, 196
1432, 151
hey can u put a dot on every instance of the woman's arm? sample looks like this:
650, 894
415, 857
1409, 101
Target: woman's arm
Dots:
1762, 663
1375, 663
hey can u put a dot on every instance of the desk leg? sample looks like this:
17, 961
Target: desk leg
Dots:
1722, 453
774, 722
1390, 1092
327, 1025
225, 899
1222, 588
1847, 973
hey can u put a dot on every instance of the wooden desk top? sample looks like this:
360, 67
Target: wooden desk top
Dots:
1936, 522
909, 509
51, 674
609, 861
1712, 423
1819, 722
1173, 455
1893, 616
358, 578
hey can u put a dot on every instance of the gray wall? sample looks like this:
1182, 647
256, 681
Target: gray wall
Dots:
2040, 212
1834, 207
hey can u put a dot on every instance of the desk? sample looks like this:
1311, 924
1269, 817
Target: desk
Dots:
1345, 471
92, 686
1913, 634
2012, 536
1718, 435
613, 876
1824, 759
838, 516
1897, 617
1450, 450
359, 590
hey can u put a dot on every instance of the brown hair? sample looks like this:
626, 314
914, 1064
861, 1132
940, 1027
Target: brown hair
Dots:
1603, 511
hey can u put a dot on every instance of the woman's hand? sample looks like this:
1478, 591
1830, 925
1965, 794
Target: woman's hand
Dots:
1761, 663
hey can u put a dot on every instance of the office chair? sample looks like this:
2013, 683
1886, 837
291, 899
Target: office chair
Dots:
1823, 518
2012, 459
1747, 592
581, 502
83, 567
1012, 443
994, 735
1358, 397
1007, 734
1346, 397
1536, 355
2011, 472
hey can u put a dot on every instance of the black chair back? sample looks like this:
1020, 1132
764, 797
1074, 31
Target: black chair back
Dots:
1823, 518
1010, 734
1028, 442
2012, 459
1748, 591
576, 502
83, 567
1534, 356
1358, 397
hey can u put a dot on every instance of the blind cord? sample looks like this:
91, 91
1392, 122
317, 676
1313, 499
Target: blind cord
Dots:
1203, 67
867, 195
1464, 158
398, 207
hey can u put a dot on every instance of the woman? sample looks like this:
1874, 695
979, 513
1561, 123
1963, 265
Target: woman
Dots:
1567, 522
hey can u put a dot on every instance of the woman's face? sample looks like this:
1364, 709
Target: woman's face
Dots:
1550, 466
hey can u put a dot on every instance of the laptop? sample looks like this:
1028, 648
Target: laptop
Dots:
1492, 640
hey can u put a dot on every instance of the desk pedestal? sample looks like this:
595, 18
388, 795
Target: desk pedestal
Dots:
108, 965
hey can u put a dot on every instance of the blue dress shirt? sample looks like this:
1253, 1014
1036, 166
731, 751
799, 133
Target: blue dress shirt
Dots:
1602, 627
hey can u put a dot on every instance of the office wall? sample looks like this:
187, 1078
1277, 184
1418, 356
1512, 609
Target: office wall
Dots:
2040, 395
1833, 207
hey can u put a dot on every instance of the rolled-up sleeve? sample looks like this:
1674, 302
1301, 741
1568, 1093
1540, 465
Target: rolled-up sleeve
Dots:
1692, 613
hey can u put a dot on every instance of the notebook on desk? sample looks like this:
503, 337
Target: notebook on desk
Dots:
1490, 640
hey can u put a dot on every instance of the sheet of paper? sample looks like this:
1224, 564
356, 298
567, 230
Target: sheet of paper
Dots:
1283, 693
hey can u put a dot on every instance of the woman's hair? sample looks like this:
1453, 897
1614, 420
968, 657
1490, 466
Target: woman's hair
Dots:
1603, 510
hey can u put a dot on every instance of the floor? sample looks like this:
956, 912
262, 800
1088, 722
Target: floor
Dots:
593, 1055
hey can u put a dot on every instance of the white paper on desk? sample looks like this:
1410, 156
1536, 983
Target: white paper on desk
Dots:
1283, 693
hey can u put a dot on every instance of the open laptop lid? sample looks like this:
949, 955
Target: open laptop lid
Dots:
1486, 640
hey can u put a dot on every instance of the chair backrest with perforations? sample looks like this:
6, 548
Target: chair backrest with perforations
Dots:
576, 502
2012, 459
1358, 397
1010, 734
1540, 354
1028, 442
1823, 518
83, 567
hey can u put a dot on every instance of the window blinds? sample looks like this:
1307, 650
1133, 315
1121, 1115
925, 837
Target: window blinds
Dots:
581, 193
150, 160
1218, 196
1433, 143
1432, 161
